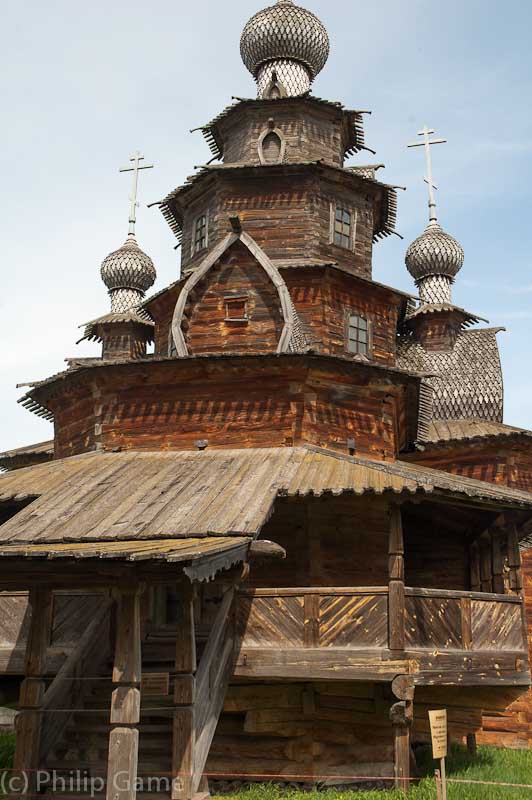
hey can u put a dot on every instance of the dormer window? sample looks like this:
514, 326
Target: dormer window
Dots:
236, 309
358, 335
200, 234
343, 228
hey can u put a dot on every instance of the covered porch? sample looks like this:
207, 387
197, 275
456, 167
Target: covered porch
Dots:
397, 582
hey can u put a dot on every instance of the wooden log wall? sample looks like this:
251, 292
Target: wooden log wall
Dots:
334, 729
323, 298
287, 212
318, 534
310, 132
174, 404
238, 279
301, 731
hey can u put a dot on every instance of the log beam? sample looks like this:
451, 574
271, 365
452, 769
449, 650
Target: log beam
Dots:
125, 702
401, 717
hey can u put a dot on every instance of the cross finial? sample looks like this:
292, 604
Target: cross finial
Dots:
427, 144
136, 158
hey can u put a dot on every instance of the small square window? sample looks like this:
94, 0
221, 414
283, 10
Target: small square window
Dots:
236, 309
200, 233
358, 335
343, 228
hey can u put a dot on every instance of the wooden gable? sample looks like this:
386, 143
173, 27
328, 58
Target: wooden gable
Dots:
236, 308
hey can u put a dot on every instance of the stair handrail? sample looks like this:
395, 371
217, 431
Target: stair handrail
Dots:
66, 689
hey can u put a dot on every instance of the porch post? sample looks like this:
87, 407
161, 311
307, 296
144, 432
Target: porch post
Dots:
29, 721
401, 717
125, 703
396, 585
184, 727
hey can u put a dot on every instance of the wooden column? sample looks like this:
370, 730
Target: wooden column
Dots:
125, 702
497, 561
29, 721
396, 586
184, 727
402, 716
514, 560
486, 570
474, 558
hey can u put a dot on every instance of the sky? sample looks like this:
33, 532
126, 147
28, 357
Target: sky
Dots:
84, 85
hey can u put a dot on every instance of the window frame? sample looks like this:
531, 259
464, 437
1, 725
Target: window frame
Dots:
335, 207
368, 355
260, 145
242, 299
194, 248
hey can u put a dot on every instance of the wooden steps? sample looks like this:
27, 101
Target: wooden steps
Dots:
85, 744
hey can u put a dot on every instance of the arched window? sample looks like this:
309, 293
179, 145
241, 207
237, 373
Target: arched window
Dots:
358, 335
272, 145
271, 148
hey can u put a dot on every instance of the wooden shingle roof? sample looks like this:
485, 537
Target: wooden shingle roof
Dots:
443, 431
139, 496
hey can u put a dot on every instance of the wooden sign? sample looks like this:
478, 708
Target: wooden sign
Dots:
438, 732
155, 684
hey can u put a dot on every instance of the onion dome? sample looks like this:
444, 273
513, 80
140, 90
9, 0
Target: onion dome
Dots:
434, 253
128, 273
287, 43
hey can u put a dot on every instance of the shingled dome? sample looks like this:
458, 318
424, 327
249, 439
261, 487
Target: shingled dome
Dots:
434, 253
285, 31
128, 268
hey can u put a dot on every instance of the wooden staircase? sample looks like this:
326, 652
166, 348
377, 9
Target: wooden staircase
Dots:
80, 753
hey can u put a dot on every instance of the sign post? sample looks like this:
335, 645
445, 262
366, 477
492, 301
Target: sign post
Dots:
438, 732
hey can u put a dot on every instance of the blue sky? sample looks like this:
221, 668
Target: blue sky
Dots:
85, 84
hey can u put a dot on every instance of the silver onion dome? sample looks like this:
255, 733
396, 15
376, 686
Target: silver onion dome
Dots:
434, 253
128, 268
128, 273
285, 32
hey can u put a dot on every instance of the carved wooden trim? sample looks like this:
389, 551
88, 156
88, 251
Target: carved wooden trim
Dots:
260, 145
207, 264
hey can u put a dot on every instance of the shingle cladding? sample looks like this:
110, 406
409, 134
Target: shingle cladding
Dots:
466, 381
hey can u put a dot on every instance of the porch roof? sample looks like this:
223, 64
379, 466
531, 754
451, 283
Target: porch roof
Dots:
131, 497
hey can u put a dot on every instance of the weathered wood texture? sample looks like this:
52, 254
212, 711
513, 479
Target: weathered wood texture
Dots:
503, 462
212, 321
72, 612
65, 693
29, 721
172, 405
322, 296
440, 632
287, 211
122, 766
311, 132
303, 731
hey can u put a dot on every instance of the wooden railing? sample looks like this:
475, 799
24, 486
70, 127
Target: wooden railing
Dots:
358, 618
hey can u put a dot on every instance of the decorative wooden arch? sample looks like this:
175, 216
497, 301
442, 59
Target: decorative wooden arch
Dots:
288, 310
262, 138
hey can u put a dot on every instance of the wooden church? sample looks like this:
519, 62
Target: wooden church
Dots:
265, 547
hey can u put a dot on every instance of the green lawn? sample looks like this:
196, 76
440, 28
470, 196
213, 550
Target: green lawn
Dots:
7, 749
490, 764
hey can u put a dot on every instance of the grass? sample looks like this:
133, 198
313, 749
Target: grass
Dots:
490, 764
7, 750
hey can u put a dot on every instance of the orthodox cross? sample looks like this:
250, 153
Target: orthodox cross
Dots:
135, 169
427, 144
